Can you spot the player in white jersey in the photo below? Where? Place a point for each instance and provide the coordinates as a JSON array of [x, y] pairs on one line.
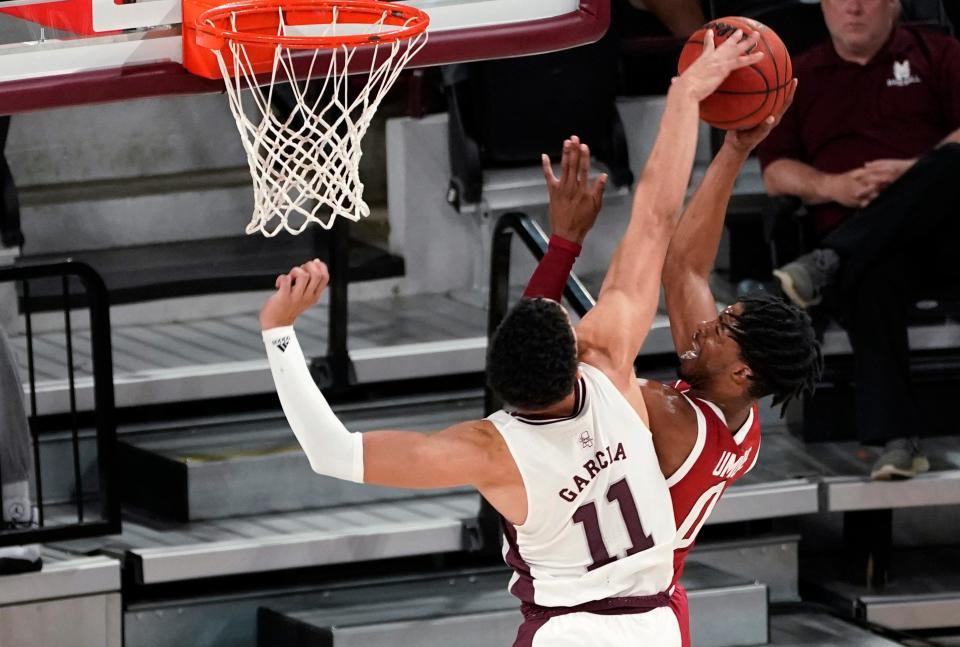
[[706, 433], [583, 493]]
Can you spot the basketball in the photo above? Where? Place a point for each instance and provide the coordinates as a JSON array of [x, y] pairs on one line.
[[750, 94]]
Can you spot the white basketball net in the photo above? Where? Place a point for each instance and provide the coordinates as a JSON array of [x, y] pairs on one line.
[[305, 165]]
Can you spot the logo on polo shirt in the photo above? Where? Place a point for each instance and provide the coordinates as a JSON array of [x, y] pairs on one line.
[[902, 76]]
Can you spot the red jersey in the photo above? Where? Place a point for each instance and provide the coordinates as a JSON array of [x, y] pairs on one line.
[[719, 457]]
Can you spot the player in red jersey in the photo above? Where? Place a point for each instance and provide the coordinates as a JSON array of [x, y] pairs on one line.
[[705, 427]]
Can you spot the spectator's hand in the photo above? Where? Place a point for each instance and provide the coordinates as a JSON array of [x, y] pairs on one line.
[[297, 290], [888, 171], [716, 63], [744, 141], [855, 189], [575, 202]]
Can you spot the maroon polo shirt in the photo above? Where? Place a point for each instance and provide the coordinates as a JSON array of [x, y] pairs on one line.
[[899, 105]]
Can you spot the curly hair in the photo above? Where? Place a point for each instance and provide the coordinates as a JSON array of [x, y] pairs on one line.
[[532, 357], [778, 343]]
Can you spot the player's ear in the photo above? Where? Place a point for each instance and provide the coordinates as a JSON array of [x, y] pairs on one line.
[[742, 374]]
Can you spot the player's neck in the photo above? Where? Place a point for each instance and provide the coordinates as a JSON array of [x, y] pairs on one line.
[[735, 409], [561, 409]]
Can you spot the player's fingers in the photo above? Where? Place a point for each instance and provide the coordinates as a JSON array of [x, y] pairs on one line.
[[731, 46], [583, 174], [749, 42], [565, 161], [299, 278], [598, 188], [791, 93], [708, 45], [315, 271], [548, 170], [748, 59], [600, 184], [323, 274], [574, 167]]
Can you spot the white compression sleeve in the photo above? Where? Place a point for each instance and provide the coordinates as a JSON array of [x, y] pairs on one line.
[[330, 447]]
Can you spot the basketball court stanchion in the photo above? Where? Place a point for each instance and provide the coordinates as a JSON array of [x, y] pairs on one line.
[[335, 370]]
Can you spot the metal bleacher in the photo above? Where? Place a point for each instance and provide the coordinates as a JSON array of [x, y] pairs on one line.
[[231, 499]]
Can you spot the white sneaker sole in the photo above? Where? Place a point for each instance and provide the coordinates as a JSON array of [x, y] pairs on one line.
[[790, 289]]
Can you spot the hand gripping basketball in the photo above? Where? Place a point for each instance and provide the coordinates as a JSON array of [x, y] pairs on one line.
[[747, 139], [715, 64], [750, 93]]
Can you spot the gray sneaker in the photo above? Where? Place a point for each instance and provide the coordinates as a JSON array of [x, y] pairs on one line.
[[803, 280], [902, 458]]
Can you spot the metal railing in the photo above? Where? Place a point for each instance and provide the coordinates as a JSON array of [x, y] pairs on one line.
[[77, 517]]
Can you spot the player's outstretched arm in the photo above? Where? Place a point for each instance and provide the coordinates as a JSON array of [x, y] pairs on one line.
[[575, 203], [611, 334], [693, 248], [470, 453]]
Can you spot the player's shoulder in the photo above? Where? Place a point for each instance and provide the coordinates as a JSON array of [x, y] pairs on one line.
[[667, 400]]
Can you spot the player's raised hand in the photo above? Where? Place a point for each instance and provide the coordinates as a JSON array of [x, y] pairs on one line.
[[746, 140], [575, 201], [297, 290], [716, 63]]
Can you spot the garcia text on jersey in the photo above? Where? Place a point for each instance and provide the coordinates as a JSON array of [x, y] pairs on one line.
[[592, 467]]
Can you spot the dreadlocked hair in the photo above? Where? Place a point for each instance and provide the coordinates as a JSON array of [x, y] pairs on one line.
[[778, 343]]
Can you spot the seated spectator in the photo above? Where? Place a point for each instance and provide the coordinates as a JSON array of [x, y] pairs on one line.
[[872, 146], [16, 465]]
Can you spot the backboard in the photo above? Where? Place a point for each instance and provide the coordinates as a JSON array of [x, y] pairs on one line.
[[68, 52]]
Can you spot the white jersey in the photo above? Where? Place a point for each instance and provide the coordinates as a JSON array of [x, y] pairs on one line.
[[600, 520]]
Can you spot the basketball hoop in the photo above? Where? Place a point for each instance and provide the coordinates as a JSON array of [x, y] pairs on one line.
[[305, 164]]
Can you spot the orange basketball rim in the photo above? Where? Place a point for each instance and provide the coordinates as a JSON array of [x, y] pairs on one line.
[[263, 25]]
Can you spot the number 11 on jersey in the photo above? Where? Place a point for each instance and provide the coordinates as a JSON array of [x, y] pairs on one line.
[[586, 515]]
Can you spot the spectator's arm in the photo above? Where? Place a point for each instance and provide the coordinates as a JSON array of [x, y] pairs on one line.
[[787, 176]]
